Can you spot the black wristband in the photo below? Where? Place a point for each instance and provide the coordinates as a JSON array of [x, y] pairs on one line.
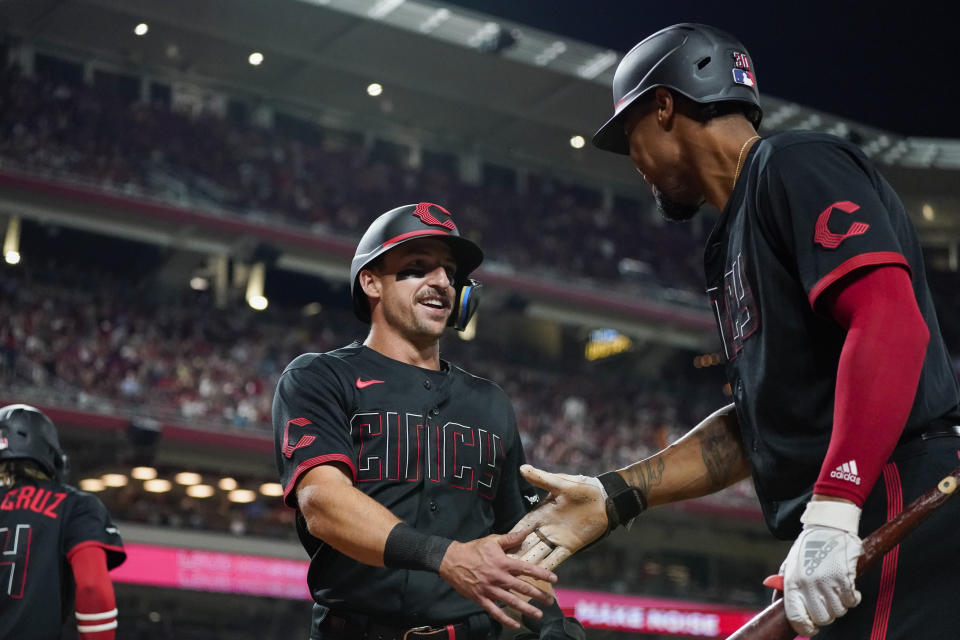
[[407, 548], [624, 503]]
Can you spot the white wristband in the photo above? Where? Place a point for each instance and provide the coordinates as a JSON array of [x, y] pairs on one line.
[[830, 513]]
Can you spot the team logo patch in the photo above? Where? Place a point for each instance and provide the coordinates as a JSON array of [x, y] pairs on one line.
[[744, 77], [830, 240], [426, 216], [741, 60]]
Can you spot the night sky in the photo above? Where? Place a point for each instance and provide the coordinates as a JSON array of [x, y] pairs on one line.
[[885, 64]]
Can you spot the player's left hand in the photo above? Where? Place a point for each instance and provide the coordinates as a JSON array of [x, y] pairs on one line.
[[820, 569], [570, 518]]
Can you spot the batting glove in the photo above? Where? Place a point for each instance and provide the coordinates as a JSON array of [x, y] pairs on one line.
[[819, 572]]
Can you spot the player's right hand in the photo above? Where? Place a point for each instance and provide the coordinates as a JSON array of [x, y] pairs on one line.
[[570, 518], [482, 571]]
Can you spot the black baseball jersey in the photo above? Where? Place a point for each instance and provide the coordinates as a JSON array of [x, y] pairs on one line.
[[440, 449], [807, 210], [42, 523]]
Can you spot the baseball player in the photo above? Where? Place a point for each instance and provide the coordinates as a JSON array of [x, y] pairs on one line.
[[845, 402], [403, 468], [58, 542]]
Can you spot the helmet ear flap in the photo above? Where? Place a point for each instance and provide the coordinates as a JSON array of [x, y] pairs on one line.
[[468, 299]]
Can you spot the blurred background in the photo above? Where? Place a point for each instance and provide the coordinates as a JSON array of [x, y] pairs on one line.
[[182, 184]]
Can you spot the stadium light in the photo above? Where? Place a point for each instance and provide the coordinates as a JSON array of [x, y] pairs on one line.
[[227, 484], [91, 484], [255, 282], [374, 89], [928, 212], [272, 489], [143, 473], [577, 142], [187, 478], [114, 480], [199, 283], [141, 29], [11, 242], [157, 485], [200, 491], [255, 58], [242, 496]]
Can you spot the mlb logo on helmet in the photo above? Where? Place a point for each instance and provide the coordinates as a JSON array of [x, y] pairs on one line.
[[740, 76], [3, 443]]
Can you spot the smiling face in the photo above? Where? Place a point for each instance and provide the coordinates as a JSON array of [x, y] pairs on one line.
[[411, 289]]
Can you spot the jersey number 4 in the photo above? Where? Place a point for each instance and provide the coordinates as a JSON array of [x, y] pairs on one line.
[[13, 562]]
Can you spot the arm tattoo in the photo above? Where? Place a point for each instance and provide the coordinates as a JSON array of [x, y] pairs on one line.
[[721, 453], [646, 474]]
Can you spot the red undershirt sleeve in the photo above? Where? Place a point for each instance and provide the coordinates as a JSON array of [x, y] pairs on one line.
[[877, 376], [95, 601]]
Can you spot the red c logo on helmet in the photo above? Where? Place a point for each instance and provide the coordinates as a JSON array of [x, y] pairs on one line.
[[830, 240], [423, 212]]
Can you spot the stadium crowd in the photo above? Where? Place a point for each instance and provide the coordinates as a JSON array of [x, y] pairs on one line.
[[327, 182]]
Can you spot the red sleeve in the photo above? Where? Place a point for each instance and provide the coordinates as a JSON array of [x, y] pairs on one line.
[[877, 376], [96, 604]]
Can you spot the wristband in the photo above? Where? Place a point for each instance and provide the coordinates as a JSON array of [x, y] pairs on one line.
[[624, 503], [830, 513], [407, 548]]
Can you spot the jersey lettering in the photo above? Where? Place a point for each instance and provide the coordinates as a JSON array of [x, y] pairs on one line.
[[734, 308], [830, 240], [370, 425], [456, 436], [36, 499], [391, 447], [490, 443], [15, 558]]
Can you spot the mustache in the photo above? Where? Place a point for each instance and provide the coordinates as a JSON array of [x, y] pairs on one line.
[[439, 296]]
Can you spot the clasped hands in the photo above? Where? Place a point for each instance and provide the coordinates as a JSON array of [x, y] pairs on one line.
[[572, 516]]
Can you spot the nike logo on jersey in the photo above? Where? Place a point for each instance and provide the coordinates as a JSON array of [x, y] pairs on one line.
[[363, 384], [847, 471]]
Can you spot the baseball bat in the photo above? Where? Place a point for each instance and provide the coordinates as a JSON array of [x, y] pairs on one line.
[[771, 623]]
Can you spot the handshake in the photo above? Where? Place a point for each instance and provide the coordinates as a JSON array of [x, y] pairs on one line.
[[578, 512]]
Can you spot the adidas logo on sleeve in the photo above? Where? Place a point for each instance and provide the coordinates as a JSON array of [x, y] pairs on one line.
[[847, 471]]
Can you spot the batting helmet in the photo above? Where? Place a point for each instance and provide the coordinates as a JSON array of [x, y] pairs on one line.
[[410, 222], [700, 62], [27, 434]]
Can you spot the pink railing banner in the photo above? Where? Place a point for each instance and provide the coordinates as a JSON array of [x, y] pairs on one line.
[[280, 578]]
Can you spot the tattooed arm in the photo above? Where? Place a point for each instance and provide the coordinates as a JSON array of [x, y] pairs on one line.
[[574, 514], [708, 458]]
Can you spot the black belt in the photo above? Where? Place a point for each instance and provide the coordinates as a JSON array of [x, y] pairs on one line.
[[916, 443], [942, 431], [350, 626]]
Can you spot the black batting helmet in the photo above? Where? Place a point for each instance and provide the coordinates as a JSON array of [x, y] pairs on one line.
[[26, 433], [700, 62], [410, 222]]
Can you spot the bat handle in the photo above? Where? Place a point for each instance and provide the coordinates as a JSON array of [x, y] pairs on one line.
[[771, 623]]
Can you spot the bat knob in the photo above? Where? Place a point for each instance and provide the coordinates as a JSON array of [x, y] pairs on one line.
[[947, 485]]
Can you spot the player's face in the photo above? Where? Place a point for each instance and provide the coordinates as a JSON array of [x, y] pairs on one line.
[[657, 157], [417, 291]]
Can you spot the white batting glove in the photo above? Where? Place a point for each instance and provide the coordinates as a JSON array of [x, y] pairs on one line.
[[819, 572]]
